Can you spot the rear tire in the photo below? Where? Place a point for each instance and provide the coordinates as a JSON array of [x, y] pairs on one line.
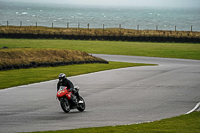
[[81, 106], [64, 103]]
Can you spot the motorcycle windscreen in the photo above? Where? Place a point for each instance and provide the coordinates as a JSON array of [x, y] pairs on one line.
[[62, 91]]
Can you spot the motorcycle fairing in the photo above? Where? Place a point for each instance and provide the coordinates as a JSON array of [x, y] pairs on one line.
[[63, 91]]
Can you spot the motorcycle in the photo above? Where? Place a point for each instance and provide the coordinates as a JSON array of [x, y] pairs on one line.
[[68, 99]]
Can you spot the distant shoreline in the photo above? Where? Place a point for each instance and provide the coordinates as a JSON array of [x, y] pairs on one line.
[[148, 18]]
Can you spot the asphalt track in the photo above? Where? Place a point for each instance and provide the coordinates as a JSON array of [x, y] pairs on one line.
[[113, 97]]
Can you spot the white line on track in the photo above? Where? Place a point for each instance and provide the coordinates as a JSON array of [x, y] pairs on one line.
[[195, 108]]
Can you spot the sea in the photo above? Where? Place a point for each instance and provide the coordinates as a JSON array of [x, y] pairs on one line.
[[72, 16]]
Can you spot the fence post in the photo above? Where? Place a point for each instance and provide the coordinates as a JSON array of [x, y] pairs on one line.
[[103, 28], [36, 24], [7, 23], [191, 28], [138, 27], [120, 26], [52, 25], [175, 28], [156, 27], [88, 26], [20, 23], [78, 25]]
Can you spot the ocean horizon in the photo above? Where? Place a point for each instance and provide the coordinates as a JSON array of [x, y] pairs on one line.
[[63, 15]]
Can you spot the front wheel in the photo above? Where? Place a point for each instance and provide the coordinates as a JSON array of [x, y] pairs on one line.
[[64, 103], [81, 105]]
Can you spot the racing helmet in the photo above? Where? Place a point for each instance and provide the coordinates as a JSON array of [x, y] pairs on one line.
[[61, 77]]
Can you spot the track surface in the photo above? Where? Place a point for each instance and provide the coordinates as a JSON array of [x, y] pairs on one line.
[[113, 97]]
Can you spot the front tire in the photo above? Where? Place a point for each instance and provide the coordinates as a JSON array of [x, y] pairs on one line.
[[64, 103], [81, 106]]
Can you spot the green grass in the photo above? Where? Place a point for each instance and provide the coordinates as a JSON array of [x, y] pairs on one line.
[[181, 124], [27, 76], [168, 50]]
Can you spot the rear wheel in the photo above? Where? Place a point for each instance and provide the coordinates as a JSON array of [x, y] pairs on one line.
[[81, 106], [64, 103]]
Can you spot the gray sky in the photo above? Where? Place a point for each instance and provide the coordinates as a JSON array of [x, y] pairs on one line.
[[146, 3]]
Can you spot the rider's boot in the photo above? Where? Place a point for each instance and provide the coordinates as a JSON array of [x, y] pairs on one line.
[[78, 98], [75, 101]]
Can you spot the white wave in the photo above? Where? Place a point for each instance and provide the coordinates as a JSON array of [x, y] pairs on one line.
[[33, 15], [24, 13], [17, 12], [41, 10]]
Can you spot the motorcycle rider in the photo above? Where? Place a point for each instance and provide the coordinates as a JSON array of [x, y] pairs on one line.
[[63, 81]]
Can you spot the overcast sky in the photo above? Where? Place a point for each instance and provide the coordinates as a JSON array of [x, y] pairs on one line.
[[146, 3]]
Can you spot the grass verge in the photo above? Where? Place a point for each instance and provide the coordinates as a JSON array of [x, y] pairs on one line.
[[181, 124], [167, 50], [27, 76]]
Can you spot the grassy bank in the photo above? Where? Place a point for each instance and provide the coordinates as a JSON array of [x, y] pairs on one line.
[[27, 76], [181, 124], [168, 50], [97, 32], [17, 56]]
